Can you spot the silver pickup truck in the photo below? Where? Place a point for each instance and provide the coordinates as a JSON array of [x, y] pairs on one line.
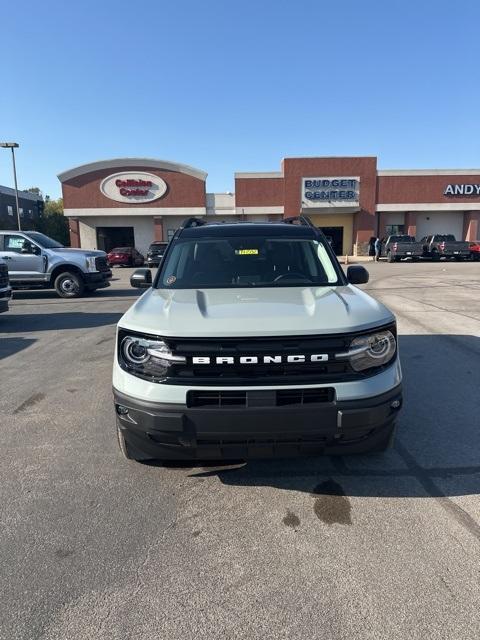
[[36, 261]]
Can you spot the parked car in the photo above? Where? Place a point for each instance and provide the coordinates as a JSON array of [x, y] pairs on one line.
[[394, 248], [155, 253], [125, 257], [444, 246], [34, 260], [252, 342], [5, 288], [475, 250]]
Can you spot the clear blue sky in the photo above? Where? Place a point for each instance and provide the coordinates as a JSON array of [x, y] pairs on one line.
[[235, 86]]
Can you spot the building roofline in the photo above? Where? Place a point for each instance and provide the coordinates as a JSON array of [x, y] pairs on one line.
[[115, 163], [26, 195], [259, 174], [327, 157], [428, 172]]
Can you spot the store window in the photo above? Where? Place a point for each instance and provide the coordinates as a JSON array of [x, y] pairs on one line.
[[394, 229], [9, 209]]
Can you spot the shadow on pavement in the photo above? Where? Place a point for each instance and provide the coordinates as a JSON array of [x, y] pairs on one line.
[[10, 346], [50, 294], [57, 321], [437, 451]]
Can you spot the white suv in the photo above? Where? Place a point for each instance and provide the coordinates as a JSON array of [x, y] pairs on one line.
[[251, 342]]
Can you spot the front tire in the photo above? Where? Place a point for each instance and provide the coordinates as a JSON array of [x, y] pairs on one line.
[[69, 285]]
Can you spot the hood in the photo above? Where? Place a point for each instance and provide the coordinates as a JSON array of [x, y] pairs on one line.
[[254, 312], [79, 252]]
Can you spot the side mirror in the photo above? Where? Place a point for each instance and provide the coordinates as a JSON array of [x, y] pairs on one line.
[[141, 279], [357, 274]]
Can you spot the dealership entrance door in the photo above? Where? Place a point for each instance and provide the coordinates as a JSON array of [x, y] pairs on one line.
[[339, 226], [335, 237], [109, 238]]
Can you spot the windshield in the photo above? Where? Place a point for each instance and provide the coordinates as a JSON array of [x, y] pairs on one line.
[[257, 261], [158, 246], [445, 238], [126, 249], [43, 240]]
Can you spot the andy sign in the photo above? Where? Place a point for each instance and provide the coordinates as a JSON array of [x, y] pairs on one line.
[[462, 190]]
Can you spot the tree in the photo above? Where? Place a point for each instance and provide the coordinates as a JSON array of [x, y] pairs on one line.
[[36, 190], [53, 223]]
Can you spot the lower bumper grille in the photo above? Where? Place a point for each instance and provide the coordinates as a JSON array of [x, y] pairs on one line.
[[274, 398]]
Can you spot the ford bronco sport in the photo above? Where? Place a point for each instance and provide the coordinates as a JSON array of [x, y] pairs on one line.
[[251, 342]]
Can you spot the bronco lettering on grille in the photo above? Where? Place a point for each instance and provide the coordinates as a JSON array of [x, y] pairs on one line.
[[293, 359]]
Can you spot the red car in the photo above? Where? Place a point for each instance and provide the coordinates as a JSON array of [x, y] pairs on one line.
[[475, 250], [125, 257]]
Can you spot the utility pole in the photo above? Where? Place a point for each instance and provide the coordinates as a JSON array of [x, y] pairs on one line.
[[13, 146]]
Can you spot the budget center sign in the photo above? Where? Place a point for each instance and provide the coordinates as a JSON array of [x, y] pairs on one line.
[[326, 192]]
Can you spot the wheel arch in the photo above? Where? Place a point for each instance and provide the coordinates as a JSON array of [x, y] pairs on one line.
[[61, 268]]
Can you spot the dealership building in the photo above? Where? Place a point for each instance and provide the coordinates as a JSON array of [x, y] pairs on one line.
[[134, 201]]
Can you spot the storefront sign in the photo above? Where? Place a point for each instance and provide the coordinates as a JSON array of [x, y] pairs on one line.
[[133, 187], [462, 190], [330, 192]]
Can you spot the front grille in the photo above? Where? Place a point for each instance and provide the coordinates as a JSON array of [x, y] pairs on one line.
[[256, 399], [101, 264], [3, 275], [260, 373]]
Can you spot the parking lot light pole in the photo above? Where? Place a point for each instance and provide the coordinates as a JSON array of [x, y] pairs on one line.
[[13, 146]]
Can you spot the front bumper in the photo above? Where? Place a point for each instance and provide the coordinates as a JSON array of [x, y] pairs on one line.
[[5, 297], [98, 279], [175, 431]]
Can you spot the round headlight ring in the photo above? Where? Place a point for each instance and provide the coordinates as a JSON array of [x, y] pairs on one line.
[[135, 350], [372, 351]]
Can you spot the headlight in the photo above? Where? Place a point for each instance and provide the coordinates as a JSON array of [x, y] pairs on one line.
[[146, 357], [374, 350], [90, 263]]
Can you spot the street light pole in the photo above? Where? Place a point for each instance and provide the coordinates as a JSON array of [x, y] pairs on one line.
[[13, 146]]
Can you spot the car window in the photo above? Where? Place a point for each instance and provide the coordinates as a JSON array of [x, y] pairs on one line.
[[257, 261], [16, 243], [43, 240]]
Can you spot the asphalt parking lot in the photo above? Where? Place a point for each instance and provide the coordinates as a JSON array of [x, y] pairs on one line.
[[96, 547]]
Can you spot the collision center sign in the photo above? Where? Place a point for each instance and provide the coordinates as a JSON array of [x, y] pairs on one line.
[[330, 192], [133, 186]]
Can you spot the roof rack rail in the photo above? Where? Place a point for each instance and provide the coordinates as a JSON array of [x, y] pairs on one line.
[[302, 220], [192, 222]]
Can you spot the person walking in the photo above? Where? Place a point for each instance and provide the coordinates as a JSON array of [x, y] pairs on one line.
[[378, 249], [371, 247]]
